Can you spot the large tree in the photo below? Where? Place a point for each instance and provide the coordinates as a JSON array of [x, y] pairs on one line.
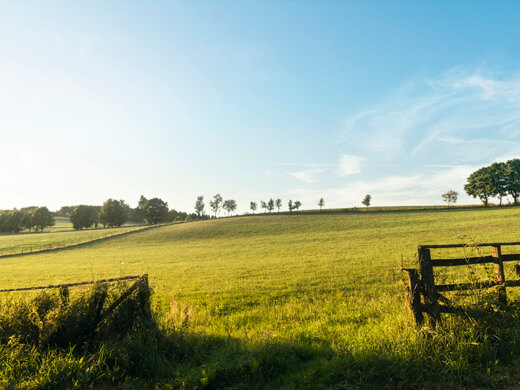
[[155, 211], [512, 174], [216, 203], [278, 204], [199, 206], [113, 213], [297, 205], [481, 184], [42, 218], [84, 217], [230, 206], [14, 221], [252, 206]]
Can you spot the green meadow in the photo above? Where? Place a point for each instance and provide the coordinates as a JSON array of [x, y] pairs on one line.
[[29, 242], [296, 301]]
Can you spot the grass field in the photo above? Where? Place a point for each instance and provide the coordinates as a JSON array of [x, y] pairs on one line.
[[299, 301], [27, 242]]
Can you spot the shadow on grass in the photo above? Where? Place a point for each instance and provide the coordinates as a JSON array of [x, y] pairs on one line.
[[46, 343]]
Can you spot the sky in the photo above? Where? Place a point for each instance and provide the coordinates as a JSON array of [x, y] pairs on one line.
[[254, 100]]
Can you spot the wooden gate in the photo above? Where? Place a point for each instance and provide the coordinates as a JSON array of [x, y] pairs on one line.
[[424, 296]]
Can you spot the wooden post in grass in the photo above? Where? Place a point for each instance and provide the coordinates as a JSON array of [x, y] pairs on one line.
[[430, 293], [499, 273], [414, 295], [144, 296], [64, 295]]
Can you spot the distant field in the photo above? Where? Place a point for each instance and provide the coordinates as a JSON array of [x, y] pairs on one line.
[[329, 283], [63, 224], [27, 242]]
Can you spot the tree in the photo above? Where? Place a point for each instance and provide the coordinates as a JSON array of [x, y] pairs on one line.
[[230, 205], [252, 206], [291, 206], [366, 200], [42, 218], [498, 177], [141, 204], [270, 205], [321, 203], [481, 184], [297, 205], [512, 175], [450, 197], [65, 211], [83, 217], [278, 204], [155, 211], [113, 213], [27, 221], [14, 221], [215, 203], [199, 206], [137, 214], [263, 205]]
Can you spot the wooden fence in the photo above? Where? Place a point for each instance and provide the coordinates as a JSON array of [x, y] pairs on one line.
[[424, 296], [141, 284]]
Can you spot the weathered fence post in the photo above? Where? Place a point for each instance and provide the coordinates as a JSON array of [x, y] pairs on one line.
[[64, 295], [499, 273], [144, 296], [430, 294], [414, 295]]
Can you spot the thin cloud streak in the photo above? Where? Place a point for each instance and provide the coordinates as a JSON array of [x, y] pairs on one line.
[[308, 175], [450, 118]]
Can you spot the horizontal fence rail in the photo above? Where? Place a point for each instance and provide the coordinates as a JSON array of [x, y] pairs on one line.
[[472, 260], [441, 246], [424, 295], [67, 285]]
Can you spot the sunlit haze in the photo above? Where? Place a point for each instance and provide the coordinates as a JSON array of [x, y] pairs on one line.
[[254, 100]]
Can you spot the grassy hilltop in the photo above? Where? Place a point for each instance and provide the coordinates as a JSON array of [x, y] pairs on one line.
[[297, 301]]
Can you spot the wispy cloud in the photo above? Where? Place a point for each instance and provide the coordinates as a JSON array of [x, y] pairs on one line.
[[349, 165], [308, 175], [462, 117]]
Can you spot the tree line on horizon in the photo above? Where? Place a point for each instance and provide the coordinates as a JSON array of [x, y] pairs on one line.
[[113, 213], [27, 218], [217, 203]]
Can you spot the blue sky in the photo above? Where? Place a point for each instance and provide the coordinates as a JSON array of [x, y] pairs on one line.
[[295, 100]]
